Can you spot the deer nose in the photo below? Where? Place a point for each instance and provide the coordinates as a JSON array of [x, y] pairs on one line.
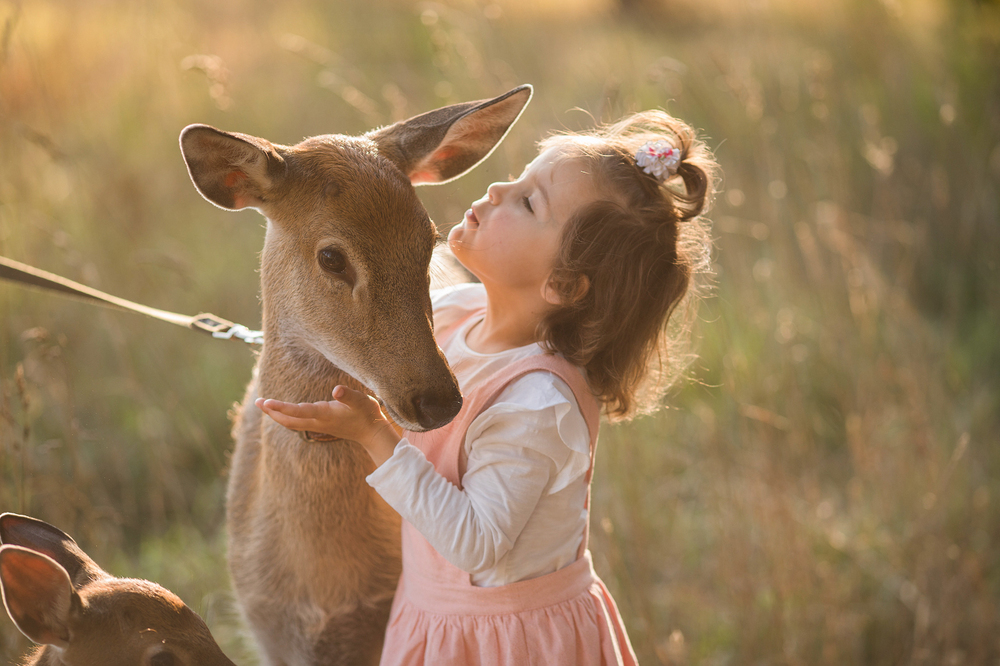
[[433, 411]]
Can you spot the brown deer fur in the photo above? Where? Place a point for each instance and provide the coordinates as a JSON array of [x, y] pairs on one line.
[[83, 616], [313, 551]]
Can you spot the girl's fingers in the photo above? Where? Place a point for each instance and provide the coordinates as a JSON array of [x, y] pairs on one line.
[[361, 403], [303, 410], [301, 416], [341, 394], [357, 400], [348, 410], [349, 396], [293, 423]]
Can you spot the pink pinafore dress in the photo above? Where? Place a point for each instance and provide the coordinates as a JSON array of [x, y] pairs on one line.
[[440, 618]]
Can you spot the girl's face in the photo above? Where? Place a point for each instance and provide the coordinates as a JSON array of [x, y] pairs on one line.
[[510, 237]]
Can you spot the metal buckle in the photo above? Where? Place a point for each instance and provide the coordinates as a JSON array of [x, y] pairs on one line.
[[211, 324], [241, 332], [225, 330]]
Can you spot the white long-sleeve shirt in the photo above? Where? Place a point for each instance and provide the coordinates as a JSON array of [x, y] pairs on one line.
[[520, 513]]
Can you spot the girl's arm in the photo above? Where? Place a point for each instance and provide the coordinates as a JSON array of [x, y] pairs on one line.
[[475, 526], [532, 441]]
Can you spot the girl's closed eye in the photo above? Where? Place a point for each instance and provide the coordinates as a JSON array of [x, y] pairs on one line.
[[527, 204]]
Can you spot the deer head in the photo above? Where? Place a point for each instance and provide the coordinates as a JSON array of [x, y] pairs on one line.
[[82, 616], [344, 270]]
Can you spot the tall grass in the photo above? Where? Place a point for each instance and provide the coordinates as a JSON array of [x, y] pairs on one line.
[[825, 488]]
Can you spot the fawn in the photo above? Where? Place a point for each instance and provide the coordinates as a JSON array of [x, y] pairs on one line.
[[313, 550], [83, 616]]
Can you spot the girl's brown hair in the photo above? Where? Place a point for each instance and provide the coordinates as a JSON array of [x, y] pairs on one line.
[[628, 260]]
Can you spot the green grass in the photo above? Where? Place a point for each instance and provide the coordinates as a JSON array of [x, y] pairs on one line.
[[824, 490]]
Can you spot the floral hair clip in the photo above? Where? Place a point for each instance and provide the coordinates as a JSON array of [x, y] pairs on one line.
[[658, 158]]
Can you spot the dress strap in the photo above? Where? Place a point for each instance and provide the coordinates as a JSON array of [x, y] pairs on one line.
[[486, 394]]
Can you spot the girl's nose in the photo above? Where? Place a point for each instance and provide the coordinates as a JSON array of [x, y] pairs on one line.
[[495, 192]]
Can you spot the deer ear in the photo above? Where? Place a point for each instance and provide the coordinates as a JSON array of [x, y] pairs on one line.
[[441, 145], [38, 595], [41, 537], [233, 171]]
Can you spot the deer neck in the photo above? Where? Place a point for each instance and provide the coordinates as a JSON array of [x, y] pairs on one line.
[[295, 372]]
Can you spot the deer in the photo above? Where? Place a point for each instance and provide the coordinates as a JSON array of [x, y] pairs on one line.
[[81, 615], [313, 551]]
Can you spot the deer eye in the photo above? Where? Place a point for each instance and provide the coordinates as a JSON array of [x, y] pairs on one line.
[[333, 260]]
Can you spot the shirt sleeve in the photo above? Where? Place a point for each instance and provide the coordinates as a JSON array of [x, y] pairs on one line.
[[515, 452]]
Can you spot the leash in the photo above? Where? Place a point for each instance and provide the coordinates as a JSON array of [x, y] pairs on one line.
[[208, 323]]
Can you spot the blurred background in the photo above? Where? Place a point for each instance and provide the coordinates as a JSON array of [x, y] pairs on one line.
[[825, 489]]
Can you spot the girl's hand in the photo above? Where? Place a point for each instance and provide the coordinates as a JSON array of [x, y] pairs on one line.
[[351, 415]]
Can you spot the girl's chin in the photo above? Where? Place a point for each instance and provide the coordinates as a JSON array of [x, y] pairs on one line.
[[460, 249], [455, 243], [460, 231]]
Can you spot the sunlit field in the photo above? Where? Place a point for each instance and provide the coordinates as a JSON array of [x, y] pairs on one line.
[[825, 486]]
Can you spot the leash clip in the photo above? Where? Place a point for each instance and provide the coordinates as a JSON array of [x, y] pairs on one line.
[[222, 329], [241, 332]]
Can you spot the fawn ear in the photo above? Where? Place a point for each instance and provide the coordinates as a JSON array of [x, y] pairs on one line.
[[231, 170], [38, 595], [441, 145], [39, 536]]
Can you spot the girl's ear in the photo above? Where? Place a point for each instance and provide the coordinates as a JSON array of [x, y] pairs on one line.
[[553, 296]]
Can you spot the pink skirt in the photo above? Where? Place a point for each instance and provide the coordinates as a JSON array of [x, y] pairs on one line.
[[566, 617]]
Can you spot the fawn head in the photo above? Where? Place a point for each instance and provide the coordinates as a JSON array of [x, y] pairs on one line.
[[344, 270], [82, 616]]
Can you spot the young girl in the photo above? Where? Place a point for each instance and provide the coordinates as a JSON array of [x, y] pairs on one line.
[[581, 260]]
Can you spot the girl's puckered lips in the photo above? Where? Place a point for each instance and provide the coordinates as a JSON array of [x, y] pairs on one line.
[[471, 221]]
